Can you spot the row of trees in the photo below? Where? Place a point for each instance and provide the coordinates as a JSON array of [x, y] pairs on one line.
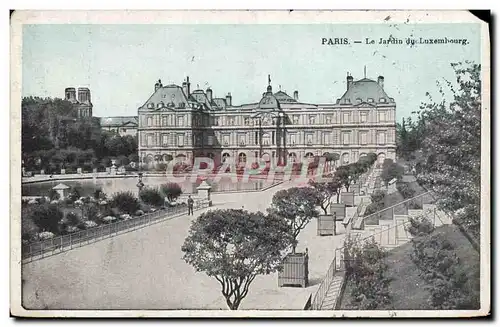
[[444, 145], [235, 246], [54, 138]]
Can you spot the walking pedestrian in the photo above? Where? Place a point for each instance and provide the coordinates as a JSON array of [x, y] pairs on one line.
[[190, 205]]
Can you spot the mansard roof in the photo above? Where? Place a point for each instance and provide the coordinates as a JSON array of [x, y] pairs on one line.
[[364, 90]]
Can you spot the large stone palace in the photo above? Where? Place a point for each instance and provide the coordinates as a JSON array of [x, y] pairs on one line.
[[177, 122]]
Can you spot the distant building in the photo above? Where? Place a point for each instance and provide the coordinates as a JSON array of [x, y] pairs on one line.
[[122, 125], [82, 105], [175, 122]]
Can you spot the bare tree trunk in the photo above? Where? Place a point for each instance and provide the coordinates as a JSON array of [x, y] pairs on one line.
[[334, 223]]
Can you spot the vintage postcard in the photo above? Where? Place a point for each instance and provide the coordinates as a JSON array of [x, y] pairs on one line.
[[250, 164]]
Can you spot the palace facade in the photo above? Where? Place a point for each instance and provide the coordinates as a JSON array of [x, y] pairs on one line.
[[177, 122]]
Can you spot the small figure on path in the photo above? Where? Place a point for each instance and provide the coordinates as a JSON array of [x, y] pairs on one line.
[[190, 205]]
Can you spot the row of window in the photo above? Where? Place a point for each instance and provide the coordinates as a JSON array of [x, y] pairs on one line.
[[266, 139], [312, 119]]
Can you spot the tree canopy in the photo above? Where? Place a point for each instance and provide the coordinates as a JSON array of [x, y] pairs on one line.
[[234, 247], [298, 206]]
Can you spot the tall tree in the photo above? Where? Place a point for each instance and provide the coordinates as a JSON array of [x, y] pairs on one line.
[[234, 247], [451, 146], [298, 206]]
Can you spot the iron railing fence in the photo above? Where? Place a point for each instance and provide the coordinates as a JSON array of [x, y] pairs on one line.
[[44, 248]]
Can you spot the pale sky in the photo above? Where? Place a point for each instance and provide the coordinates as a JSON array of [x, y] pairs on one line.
[[121, 63]]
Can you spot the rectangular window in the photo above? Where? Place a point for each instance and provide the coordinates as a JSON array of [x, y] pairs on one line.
[[210, 140], [381, 137], [164, 139], [180, 121], [346, 136], [143, 139], [150, 121], [335, 138], [328, 119], [180, 140], [226, 139], [326, 138], [312, 119], [273, 138], [346, 118], [363, 136], [295, 119], [293, 139], [150, 140], [256, 138], [309, 139], [241, 139], [363, 117], [381, 116]]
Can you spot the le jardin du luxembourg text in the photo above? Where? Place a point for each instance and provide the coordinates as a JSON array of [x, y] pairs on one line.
[[393, 41]]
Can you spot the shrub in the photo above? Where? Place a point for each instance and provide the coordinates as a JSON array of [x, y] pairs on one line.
[[378, 196], [366, 270], [139, 213], [171, 190], [45, 235], [29, 229], [46, 217], [125, 202], [405, 190], [419, 226], [413, 204], [72, 219], [151, 196], [145, 208], [108, 219], [447, 281]]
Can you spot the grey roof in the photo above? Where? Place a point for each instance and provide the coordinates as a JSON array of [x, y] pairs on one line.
[[283, 97], [170, 96], [119, 121], [364, 90]]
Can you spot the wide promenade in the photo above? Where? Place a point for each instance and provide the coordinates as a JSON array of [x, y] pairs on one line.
[[144, 269]]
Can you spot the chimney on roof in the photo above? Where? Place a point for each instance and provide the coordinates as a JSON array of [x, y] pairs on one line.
[[209, 95], [186, 87], [229, 100], [349, 80], [296, 95], [381, 81]]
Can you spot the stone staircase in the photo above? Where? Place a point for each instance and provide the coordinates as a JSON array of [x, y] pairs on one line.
[[388, 233]]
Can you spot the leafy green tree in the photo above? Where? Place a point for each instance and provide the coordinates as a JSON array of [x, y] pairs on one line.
[[325, 191], [391, 170], [451, 147], [298, 206], [234, 247]]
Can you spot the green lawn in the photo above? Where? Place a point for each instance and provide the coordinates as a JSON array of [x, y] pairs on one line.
[[407, 289]]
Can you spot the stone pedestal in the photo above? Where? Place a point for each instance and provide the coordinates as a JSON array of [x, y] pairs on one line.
[[63, 171], [94, 171], [42, 172], [204, 191], [78, 170]]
